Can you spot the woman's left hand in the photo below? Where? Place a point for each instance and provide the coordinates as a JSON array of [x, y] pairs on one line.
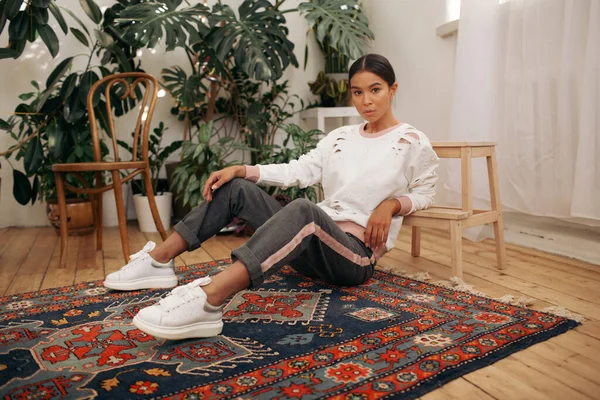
[[378, 226]]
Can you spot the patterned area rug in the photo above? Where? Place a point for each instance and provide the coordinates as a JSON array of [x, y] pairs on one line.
[[295, 338]]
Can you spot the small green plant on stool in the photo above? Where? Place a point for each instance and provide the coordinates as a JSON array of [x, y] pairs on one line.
[[332, 93]]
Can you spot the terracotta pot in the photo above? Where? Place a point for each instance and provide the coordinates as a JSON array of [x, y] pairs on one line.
[[80, 216]]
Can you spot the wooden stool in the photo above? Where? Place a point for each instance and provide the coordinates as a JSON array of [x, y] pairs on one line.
[[456, 219]]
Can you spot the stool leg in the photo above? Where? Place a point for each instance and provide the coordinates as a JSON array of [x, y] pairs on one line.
[[496, 206], [456, 248], [415, 244], [500, 248]]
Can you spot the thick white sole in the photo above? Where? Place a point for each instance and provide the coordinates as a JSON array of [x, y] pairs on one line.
[[157, 282], [198, 330]]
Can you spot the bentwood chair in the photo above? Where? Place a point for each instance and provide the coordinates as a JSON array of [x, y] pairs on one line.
[[118, 87]]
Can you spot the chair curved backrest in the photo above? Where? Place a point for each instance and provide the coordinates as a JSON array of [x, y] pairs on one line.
[[119, 87]]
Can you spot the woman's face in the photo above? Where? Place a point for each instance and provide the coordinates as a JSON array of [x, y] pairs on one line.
[[371, 95]]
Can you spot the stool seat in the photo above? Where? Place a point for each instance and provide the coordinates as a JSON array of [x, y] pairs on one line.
[[440, 213]]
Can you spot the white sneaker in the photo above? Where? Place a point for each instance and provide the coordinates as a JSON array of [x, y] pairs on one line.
[[183, 314], [143, 272]]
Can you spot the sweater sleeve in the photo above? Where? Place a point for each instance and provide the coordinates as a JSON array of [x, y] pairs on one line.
[[422, 179], [305, 171]]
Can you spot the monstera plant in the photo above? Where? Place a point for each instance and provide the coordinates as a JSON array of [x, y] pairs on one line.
[[255, 40], [341, 30]]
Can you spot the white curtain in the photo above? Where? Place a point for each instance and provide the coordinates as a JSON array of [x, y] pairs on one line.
[[527, 75]]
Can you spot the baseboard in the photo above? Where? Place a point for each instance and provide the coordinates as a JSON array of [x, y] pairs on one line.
[[552, 235]]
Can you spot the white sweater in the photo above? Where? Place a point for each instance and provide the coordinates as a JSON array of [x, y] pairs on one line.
[[358, 171]]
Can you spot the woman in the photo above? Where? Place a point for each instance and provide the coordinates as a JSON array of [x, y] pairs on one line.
[[372, 175]]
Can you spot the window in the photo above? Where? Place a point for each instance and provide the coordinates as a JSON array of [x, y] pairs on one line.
[[452, 10]]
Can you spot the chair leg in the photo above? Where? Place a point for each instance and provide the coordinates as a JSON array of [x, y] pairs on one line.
[[121, 214], [99, 226], [62, 209], [415, 244], [456, 248], [153, 208]]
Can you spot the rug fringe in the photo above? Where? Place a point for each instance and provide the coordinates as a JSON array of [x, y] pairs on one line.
[[513, 300], [564, 313], [419, 276], [456, 283]]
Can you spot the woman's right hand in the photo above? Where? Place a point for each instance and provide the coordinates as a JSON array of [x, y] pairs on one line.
[[221, 177]]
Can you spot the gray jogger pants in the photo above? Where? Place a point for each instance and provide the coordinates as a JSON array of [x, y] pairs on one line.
[[301, 235]]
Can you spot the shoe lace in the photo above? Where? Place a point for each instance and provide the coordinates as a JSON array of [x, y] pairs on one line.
[[184, 294], [138, 256]]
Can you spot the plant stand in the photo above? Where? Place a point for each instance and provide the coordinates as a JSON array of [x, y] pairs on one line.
[[322, 113]]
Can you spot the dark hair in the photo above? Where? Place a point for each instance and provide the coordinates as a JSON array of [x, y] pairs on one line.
[[375, 63]]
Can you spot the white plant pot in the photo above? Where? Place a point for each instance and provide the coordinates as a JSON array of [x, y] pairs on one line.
[[109, 206], [144, 216]]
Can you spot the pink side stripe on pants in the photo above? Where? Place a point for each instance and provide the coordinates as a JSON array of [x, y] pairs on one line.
[[326, 238]]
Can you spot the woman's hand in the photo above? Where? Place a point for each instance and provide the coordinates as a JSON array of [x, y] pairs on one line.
[[221, 177], [378, 226]]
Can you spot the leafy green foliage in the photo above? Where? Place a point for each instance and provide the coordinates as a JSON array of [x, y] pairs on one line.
[[27, 24], [202, 155], [92, 10], [148, 22], [333, 93], [189, 92], [303, 142], [260, 111], [51, 123], [58, 141], [339, 24], [258, 39]]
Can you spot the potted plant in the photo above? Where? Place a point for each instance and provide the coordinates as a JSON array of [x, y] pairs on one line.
[[303, 142], [338, 43], [157, 155], [202, 154], [51, 124], [60, 138], [331, 93]]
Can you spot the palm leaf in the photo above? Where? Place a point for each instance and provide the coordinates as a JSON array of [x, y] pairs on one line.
[[188, 91], [258, 39], [147, 21], [339, 24]]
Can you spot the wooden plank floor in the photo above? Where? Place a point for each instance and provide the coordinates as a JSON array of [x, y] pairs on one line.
[[565, 367]]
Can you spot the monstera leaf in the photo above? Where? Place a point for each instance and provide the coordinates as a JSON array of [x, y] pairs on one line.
[[188, 91], [339, 24], [146, 22], [258, 39]]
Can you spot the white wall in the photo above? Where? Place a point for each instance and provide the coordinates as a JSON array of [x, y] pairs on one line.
[[423, 62], [36, 64]]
